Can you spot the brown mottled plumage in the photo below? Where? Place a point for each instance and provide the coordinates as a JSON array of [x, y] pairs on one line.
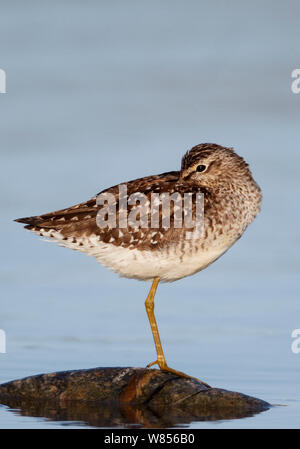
[[231, 201], [228, 189]]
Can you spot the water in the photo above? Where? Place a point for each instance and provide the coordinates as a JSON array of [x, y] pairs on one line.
[[101, 92]]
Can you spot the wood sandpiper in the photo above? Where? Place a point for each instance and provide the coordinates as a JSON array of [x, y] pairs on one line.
[[231, 200]]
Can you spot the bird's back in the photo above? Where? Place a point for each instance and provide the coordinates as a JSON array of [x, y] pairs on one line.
[[134, 247]]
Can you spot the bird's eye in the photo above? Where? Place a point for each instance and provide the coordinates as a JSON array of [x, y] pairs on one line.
[[201, 168]]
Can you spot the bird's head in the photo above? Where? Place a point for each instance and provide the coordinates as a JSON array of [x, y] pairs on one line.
[[209, 165]]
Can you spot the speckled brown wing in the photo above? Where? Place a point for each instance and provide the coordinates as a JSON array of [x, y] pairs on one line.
[[81, 218], [79, 221], [148, 237]]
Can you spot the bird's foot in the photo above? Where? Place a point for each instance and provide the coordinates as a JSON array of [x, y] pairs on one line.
[[151, 364], [165, 367]]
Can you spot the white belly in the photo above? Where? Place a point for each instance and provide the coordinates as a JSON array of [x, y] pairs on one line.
[[169, 265], [145, 265]]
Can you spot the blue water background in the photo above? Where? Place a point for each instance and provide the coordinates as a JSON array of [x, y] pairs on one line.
[[103, 92]]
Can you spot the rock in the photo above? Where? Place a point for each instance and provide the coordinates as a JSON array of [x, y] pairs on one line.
[[116, 396]]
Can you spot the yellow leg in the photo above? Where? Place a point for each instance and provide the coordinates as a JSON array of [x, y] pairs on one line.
[[161, 360]]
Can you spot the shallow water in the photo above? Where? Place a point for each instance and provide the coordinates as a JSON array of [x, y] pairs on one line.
[[99, 93]]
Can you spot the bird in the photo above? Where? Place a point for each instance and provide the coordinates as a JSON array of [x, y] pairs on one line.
[[126, 229]]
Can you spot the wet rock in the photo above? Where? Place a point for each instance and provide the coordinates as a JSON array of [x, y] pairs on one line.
[[115, 396]]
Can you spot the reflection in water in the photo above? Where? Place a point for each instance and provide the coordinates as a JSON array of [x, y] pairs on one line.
[[123, 415]]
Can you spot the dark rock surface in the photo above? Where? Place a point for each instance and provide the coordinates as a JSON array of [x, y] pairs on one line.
[[107, 397]]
